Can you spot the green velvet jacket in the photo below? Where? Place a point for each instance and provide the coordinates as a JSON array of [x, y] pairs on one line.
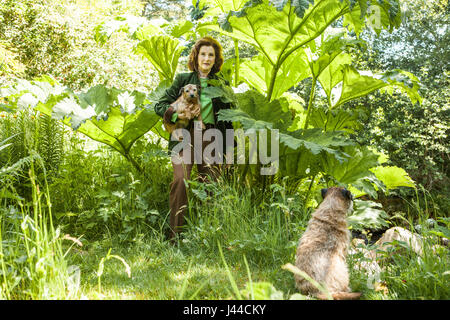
[[172, 94]]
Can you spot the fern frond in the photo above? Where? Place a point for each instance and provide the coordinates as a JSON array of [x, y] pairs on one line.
[[51, 142]]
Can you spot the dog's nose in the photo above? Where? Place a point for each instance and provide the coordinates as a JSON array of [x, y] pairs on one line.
[[192, 95]]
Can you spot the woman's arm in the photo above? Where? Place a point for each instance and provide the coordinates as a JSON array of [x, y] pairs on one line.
[[162, 107]]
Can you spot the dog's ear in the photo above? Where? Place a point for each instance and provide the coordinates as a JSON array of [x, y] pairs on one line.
[[181, 91], [323, 192], [347, 194]]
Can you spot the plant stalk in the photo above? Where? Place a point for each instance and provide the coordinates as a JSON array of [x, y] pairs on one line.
[[309, 189], [272, 82], [311, 99], [237, 63], [134, 162]]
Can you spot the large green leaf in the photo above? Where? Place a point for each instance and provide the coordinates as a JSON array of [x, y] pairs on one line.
[[278, 30], [384, 178], [24, 93], [163, 52], [332, 56], [108, 115], [301, 64], [159, 44], [332, 74], [355, 85], [123, 23], [299, 150], [258, 73], [317, 141], [140, 28], [367, 215], [335, 44], [393, 177], [375, 14], [356, 167], [335, 120], [259, 108]]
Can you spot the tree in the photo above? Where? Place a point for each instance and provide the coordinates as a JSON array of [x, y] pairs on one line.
[[414, 137]]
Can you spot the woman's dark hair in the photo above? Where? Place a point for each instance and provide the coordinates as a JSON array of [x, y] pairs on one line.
[[210, 42]]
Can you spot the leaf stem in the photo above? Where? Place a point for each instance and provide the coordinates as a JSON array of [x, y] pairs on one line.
[[237, 64], [133, 162], [309, 189], [311, 98]]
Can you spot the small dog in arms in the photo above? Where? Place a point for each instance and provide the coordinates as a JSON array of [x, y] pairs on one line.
[[322, 249], [187, 106]]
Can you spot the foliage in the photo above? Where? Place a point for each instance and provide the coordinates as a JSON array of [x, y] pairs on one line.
[[9, 64], [166, 9], [283, 31], [296, 41], [108, 115], [415, 137], [166, 64], [95, 194], [98, 111], [367, 215], [260, 232], [46, 37], [40, 44], [393, 177], [32, 261], [30, 133]]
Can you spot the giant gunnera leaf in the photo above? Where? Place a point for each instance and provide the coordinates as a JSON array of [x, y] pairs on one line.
[[367, 215], [163, 52], [393, 177], [300, 150], [108, 115], [355, 84], [282, 30]]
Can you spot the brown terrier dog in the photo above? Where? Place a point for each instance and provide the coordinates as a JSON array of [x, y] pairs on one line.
[[323, 247], [187, 106]]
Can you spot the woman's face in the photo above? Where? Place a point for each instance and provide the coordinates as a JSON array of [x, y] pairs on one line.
[[206, 59]]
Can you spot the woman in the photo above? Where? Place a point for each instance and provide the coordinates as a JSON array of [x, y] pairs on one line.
[[205, 60]]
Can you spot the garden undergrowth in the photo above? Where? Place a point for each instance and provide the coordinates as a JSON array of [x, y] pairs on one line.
[[235, 242]]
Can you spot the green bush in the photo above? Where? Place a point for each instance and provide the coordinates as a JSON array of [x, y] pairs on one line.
[[41, 43], [55, 39], [99, 194]]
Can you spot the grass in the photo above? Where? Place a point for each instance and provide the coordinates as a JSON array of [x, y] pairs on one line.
[[163, 271], [234, 245], [32, 260], [195, 268]]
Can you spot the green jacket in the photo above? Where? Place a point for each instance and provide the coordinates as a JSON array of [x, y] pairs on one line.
[[173, 93]]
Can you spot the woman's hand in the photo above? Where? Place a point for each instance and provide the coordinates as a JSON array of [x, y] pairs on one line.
[[182, 115]]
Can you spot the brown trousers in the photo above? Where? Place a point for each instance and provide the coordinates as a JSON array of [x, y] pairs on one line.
[[178, 199]]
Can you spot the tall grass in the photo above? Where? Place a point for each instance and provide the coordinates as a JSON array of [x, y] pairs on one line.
[[32, 259], [427, 275], [261, 227]]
